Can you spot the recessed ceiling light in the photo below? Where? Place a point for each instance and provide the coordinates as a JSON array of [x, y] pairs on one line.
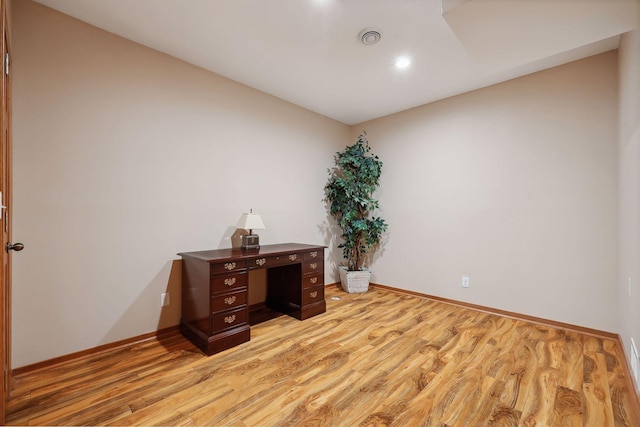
[[323, 3], [403, 62]]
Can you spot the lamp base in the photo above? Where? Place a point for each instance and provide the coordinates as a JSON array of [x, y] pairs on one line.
[[250, 241]]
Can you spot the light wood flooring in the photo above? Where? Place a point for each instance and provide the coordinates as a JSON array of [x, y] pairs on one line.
[[379, 358]]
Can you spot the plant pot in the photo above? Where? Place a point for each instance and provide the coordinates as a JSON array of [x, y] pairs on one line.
[[354, 281]]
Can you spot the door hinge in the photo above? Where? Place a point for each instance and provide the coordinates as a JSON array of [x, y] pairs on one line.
[[6, 63], [2, 206]]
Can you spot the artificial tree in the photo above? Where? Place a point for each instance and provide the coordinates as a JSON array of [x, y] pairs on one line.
[[352, 183]]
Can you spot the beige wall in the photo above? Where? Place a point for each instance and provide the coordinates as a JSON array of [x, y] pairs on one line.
[[123, 157], [629, 159], [514, 186]]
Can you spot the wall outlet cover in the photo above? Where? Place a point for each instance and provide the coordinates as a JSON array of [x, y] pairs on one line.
[[165, 299]]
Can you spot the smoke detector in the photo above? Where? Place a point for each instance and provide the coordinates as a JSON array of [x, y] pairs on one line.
[[369, 36]]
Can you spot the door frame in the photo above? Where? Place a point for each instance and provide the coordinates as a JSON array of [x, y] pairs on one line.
[[5, 224]]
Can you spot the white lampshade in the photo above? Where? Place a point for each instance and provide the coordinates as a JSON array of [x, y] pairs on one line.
[[250, 221]]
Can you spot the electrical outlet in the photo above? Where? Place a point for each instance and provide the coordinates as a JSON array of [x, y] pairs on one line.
[[165, 299], [465, 282]]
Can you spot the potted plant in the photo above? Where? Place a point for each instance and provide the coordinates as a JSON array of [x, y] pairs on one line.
[[350, 189]]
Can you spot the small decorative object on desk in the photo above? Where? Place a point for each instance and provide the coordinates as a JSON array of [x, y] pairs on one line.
[[250, 221], [350, 189]]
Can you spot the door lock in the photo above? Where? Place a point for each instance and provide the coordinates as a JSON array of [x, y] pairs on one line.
[[14, 247]]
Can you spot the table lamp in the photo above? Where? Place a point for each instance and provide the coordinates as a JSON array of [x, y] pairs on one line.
[[250, 221]]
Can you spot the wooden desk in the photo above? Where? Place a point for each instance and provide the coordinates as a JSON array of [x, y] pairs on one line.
[[215, 310]]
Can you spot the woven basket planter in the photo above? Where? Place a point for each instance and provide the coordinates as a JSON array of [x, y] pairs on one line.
[[355, 281]]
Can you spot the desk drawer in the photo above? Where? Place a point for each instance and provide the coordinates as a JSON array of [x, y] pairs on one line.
[[228, 283], [228, 267], [273, 261], [309, 296], [313, 255], [313, 266], [313, 280], [228, 301], [228, 319]]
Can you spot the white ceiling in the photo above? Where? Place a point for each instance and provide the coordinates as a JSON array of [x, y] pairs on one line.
[[308, 52]]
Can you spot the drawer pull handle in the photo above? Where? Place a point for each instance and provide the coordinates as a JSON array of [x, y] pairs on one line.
[[293, 257], [230, 300], [230, 281], [313, 265], [314, 280], [314, 294], [313, 254], [261, 262], [229, 266], [230, 319]]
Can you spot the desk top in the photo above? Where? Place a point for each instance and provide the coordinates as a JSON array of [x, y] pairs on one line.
[[218, 255]]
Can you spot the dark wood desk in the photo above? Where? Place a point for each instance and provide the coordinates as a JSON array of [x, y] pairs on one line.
[[215, 310]]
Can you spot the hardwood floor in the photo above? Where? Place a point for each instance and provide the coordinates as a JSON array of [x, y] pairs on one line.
[[379, 358]]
